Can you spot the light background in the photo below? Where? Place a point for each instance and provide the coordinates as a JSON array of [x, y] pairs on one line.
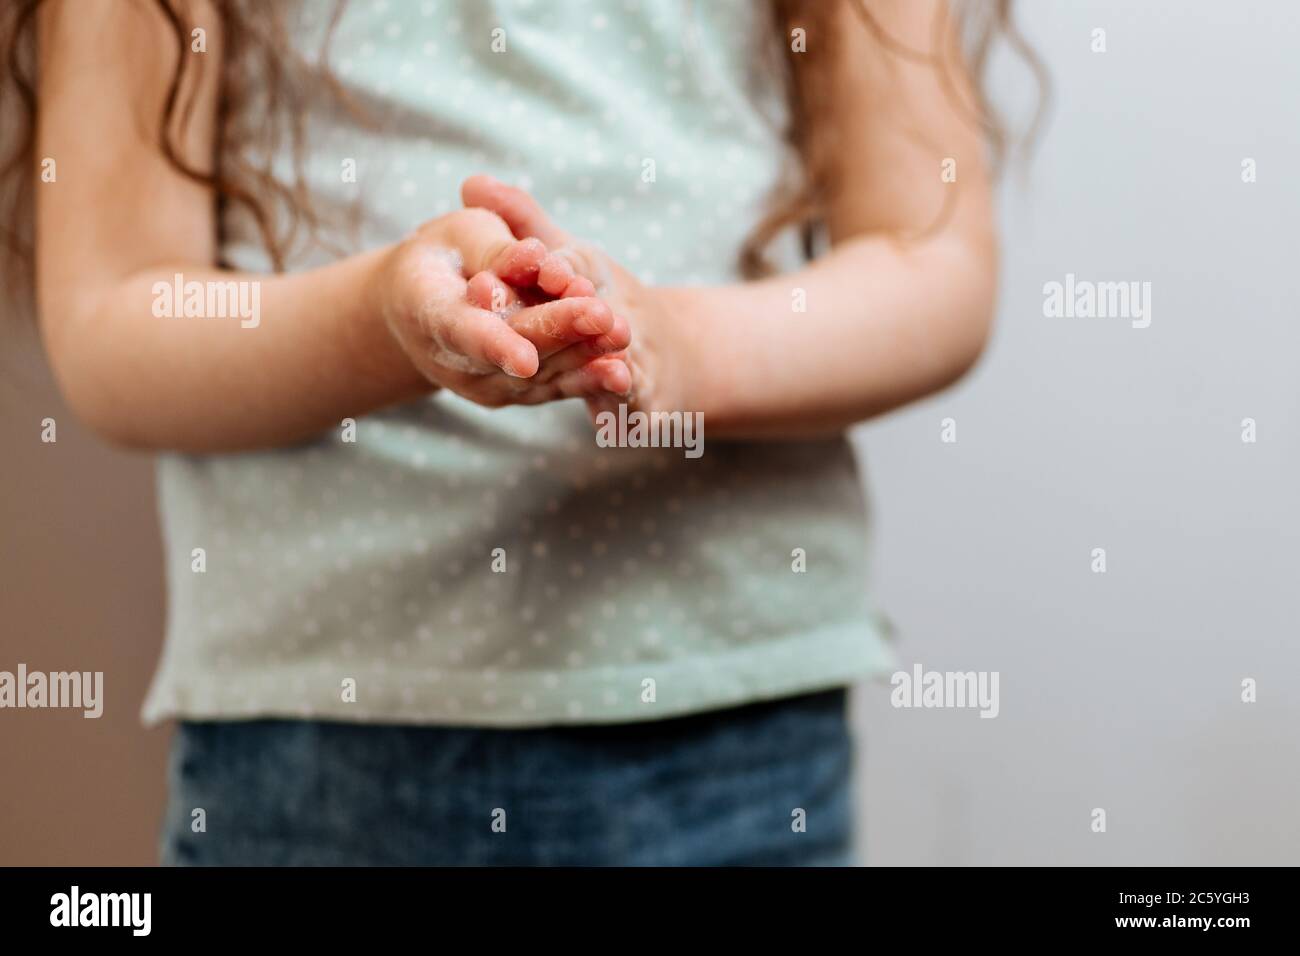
[[1119, 691]]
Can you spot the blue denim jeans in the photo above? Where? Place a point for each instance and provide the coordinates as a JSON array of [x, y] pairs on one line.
[[763, 784]]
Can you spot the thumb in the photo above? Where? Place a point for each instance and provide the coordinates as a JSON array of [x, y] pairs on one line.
[[521, 212]]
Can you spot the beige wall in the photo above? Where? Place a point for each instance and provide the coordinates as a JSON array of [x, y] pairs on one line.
[[80, 589]]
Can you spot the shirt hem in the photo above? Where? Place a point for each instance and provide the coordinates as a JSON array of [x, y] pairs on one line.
[[485, 698]]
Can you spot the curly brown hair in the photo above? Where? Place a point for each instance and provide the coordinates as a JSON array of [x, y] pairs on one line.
[[259, 55]]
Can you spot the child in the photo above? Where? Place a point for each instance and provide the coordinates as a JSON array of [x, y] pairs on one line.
[[417, 614]]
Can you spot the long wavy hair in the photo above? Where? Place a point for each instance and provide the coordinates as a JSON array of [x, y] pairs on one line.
[[260, 56]]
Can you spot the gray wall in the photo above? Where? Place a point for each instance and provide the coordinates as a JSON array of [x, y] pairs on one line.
[[1118, 690]]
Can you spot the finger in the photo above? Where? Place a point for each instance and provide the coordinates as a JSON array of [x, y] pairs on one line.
[[521, 212], [580, 287], [551, 326], [618, 337], [485, 243], [575, 356], [582, 352], [524, 217], [486, 291], [556, 275], [518, 263], [602, 376], [480, 337]]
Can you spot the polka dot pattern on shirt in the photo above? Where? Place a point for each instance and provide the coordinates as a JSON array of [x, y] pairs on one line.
[[454, 564]]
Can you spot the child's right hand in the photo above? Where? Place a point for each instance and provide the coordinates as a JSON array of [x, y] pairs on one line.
[[489, 357]]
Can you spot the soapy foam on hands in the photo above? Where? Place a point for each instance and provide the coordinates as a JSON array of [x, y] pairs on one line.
[[455, 261], [447, 356]]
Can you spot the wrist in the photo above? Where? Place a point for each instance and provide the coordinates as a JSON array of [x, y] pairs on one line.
[[701, 374]]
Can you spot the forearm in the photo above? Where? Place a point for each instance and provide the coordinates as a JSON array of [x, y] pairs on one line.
[[885, 324], [319, 352]]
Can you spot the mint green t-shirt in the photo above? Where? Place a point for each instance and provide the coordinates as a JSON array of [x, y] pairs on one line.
[[444, 563]]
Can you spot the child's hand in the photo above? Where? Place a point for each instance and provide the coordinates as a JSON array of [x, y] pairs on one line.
[[568, 368], [489, 357], [638, 373]]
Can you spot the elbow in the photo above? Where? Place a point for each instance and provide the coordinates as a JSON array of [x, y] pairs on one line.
[[971, 310], [977, 330], [81, 371], [107, 420], [113, 430]]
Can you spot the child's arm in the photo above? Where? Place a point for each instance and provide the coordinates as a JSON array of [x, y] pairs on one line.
[[886, 322], [884, 326], [339, 341]]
